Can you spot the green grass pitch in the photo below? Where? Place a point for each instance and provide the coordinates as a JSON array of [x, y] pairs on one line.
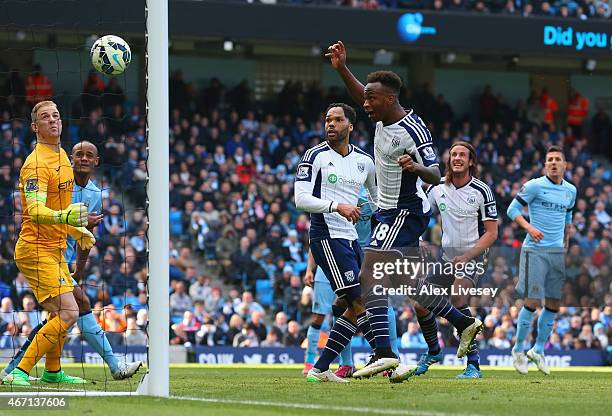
[[282, 390]]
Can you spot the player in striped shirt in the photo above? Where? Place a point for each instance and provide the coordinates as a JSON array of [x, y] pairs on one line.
[[469, 227], [324, 297], [328, 181], [405, 158]]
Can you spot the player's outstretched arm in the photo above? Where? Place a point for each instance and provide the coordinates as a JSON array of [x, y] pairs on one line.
[[74, 215], [337, 55], [33, 184]]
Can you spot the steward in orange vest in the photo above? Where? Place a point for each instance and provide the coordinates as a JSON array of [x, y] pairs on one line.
[[577, 111]]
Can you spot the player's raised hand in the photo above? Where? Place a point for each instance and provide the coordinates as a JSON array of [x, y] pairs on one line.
[[75, 215], [93, 219], [337, 55], [350, 212], [407, 163], [536, 234]]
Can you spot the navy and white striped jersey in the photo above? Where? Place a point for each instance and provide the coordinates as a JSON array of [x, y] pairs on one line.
[[396, 188], [324, 179], [463, 212]]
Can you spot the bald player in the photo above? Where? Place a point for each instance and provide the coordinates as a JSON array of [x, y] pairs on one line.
[[84, 161], [46, 181]]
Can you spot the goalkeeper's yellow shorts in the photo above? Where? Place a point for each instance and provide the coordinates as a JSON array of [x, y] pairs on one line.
[[45, 269]]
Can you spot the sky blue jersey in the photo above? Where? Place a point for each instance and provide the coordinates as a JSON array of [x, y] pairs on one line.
[[91, 196], [550, 209]]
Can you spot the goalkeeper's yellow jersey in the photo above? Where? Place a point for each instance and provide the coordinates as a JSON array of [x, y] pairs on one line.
[[48, 176]]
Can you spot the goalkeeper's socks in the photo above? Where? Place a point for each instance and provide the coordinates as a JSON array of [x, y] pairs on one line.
[[429, 328], [393, 331], [546, 321], [523, 327], [339, 337], [13, 364], [96, 338], [314, 330], [49, 335], [53, 356]]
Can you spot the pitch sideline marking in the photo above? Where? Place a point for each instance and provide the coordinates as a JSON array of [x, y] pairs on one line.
[[311, 406]]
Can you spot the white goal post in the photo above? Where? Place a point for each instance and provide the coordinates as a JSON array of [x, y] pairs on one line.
[[156, 381]]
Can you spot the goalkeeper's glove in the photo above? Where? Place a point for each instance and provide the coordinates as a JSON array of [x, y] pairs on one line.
[[74, 215], [84, 238]]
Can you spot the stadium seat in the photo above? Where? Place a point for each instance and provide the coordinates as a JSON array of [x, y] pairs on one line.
[[5, 290], [176, 226], [298, 268], [73, 132], [264, 291], [118, 301]]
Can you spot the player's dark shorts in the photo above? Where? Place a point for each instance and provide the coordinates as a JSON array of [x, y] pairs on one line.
[[340, 260], [396, 229]]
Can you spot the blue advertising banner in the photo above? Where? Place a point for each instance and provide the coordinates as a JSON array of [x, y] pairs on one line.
[[230, 355]]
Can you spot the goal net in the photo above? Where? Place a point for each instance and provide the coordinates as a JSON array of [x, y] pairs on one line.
[[45, 56]]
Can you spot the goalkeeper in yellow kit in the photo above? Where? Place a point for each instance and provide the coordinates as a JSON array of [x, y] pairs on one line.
[[45, 183]]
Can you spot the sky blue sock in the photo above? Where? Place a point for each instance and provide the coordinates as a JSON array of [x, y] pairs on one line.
[[523, 327], [546, 321], [313, 339], [346, 356], [393, 331], [96, 338]]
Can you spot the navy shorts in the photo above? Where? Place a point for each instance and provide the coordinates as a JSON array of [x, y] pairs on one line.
[[394, 229], [340, 260]]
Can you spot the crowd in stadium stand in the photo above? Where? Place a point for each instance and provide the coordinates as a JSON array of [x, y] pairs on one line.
[[239, 245], [581, 9]]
